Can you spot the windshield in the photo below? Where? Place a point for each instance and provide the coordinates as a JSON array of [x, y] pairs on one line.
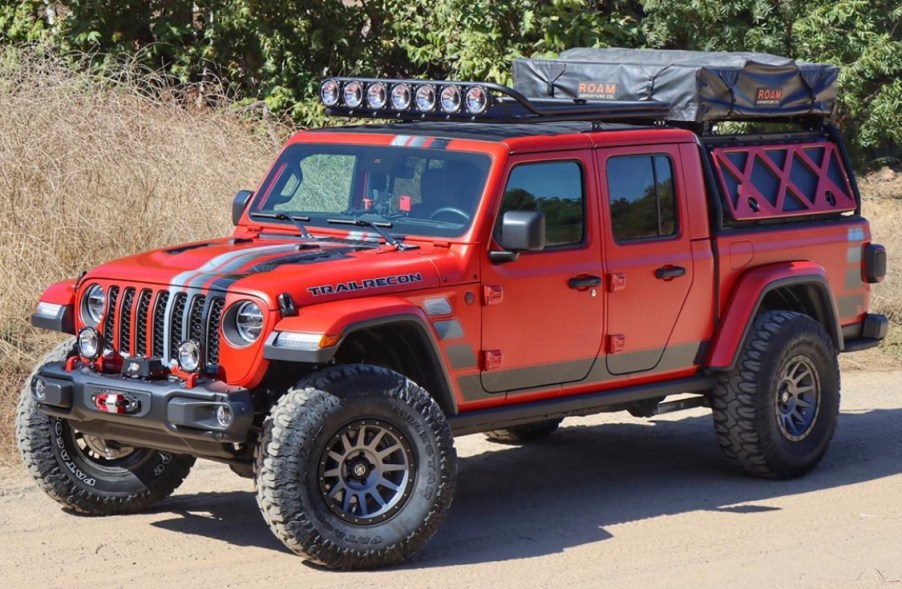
[[411, 191]]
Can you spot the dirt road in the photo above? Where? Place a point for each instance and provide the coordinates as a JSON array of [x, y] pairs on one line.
[[609, 500]]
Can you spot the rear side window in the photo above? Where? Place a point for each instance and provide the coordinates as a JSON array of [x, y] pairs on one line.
[[642, 197], [554, 188]]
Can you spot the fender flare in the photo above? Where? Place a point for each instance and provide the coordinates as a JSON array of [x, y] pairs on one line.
[[341, 319], [747, 296]]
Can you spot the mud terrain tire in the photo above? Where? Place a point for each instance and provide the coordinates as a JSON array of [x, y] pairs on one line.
[[60, 460], [776, 411], [326, 446]]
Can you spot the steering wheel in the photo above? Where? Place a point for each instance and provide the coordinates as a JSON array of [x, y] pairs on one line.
[[453, 210]]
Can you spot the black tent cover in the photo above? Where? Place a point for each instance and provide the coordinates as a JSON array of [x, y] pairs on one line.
[[699, 85]]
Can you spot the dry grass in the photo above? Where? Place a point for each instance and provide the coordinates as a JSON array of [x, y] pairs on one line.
[[97, 166], [94, 167], [882, 205]]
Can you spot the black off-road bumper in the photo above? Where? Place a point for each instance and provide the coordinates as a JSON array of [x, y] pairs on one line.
[[151, 413]]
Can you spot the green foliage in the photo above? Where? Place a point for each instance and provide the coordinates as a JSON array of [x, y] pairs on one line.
[[277, 51]]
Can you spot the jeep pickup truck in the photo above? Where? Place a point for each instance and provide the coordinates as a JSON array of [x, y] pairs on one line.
[[491, 259]]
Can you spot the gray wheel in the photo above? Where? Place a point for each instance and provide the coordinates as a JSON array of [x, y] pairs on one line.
[[776, 412], [86, 473], [523, 434], [355, 468]]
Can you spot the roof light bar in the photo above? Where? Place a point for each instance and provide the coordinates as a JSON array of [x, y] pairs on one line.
[[469, 101]]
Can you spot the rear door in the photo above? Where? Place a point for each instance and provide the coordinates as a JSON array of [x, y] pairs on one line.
[[648, 254]]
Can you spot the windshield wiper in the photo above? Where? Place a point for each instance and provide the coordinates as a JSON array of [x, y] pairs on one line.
[[295, 220], [377, 226]]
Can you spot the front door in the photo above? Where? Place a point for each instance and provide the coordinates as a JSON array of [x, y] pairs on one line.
[[542, 319], [648, 256]]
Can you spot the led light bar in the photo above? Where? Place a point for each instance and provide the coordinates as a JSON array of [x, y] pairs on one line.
[[437, 100]]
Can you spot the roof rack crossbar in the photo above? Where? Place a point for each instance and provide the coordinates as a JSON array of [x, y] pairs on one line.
[[504, 104]]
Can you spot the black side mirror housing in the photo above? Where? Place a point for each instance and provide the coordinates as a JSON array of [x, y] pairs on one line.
[[521, 231], [239, 204]]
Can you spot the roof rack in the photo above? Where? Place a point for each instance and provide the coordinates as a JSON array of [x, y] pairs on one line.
[[477, 102]]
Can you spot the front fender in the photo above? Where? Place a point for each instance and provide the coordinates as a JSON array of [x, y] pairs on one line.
[[57, 313], [328, 324], [748, 293]]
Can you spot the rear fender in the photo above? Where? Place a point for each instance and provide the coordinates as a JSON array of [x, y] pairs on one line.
[[748, 294]]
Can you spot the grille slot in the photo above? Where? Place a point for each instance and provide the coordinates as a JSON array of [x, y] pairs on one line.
[[196, 318], [142, 328], [159, 324], [216, 307], [176, 322], [108, 319], [125, 322]]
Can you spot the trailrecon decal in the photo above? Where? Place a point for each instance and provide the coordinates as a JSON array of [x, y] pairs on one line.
[[369, 283]]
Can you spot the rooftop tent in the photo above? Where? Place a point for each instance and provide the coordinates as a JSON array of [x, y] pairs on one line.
[[700, 86]]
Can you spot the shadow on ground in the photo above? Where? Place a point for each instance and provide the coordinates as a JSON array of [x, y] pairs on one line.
[[520, 502]]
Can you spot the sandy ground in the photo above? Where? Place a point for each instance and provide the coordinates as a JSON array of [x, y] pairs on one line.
[[608, 501]]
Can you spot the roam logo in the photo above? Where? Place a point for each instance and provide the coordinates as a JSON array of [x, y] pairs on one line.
[[768, 96], [598, 90]]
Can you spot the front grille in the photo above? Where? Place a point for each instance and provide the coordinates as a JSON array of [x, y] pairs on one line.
[[161, 320]]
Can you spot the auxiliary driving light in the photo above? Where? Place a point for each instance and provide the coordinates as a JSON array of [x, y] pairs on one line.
[[425, 98], [451, 99], [376, 96], [400, 97], [189, 355], [224, 416], [477, 100], [89, 343], [353, 94], [330, 92]]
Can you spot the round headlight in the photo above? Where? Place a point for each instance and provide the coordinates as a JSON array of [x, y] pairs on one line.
[[451, 99], [477, 100], [330, 92], [89, 343], [425, 98], [376, 96], [92, 305], [189, 355], [400, 97], [249, 321], [353, 94]]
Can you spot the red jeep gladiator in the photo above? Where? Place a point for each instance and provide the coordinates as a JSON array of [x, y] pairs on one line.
[[493, 260]]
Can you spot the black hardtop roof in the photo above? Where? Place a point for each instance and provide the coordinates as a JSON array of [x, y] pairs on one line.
[[480, 131]]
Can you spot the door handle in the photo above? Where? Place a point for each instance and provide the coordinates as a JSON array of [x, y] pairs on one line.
[[584, 281], [669, 272]]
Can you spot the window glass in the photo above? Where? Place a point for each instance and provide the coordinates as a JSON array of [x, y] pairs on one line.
[[642, 197], [554, 188], [409, 190]]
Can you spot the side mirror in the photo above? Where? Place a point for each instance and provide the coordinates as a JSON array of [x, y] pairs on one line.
[[521, 231], [239, 204]]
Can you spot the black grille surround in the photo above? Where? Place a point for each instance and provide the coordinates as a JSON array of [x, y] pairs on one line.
[[143, 319]]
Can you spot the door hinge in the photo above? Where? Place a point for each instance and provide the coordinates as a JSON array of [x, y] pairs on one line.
[[491, 359], [616, 281], [492, 295], [616, 343]]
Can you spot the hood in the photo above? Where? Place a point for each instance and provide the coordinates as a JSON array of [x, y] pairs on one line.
[[310, 271]]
